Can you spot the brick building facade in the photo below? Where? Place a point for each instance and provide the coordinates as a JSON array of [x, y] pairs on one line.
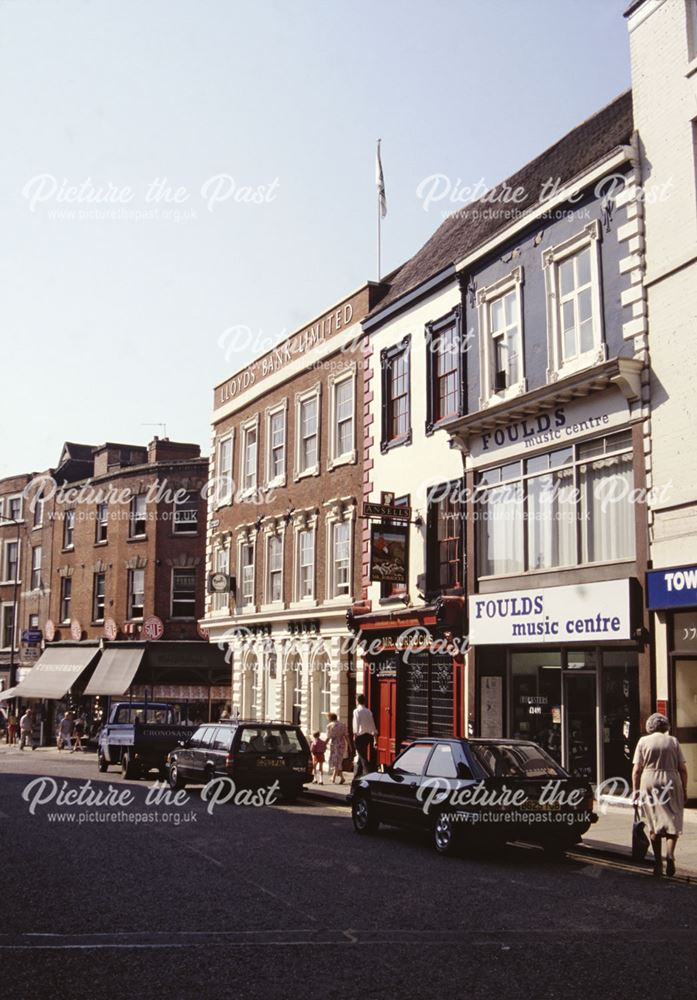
[[284, 523]]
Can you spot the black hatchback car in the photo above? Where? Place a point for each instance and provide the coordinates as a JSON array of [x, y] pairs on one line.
[[253, 754], [487, 791]]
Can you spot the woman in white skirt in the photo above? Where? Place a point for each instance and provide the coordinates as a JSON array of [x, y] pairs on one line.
[[659, 782]]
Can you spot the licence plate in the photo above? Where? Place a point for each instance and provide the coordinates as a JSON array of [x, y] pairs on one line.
[[270, 762]]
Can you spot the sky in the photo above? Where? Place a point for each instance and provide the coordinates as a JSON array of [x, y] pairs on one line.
[[185, 182]]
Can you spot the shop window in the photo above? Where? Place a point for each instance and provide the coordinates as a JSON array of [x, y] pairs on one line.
[[536, 700], [561, 508]]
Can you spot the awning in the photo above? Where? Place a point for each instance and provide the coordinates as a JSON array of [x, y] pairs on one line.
[[9, 693], [115, 671], [55, 672]]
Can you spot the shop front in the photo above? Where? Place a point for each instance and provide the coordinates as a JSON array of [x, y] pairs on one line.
[[413, 677], [672, 598], [561, 666]]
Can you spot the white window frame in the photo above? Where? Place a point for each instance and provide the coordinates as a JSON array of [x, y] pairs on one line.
[[339, 511], [337, 379], [6, 577], [36, 569], [95, 617], [224, 495], [39, 511], [304, 520], [273, 530], [8, 502], [135, 504], [65, 619], [182, 618], [488, 395], [303, 397], [191, 495], [101, 522], [131, 591], [4, 607], [273, 411], [68, 516], [589, 237], [246, 536], [245, 490], [220, 602]]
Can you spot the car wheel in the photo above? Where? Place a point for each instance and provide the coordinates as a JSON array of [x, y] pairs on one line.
[[175, 779], [444, 834], [363, 815], [102, 763], [128, 767]]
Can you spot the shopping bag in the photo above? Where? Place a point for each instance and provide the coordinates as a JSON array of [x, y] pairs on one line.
[[640, 842]]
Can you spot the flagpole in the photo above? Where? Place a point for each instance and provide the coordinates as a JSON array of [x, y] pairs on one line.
[[381, 202], [379, 211]]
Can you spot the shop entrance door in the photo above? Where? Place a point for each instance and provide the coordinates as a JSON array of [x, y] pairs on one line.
[[581, 727], [386, 720]]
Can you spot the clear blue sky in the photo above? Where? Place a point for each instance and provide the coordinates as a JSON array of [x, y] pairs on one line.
[[108, 324]]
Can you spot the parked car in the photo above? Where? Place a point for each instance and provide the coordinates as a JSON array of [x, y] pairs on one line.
[[480, 790], [253, 754], [138, 736]]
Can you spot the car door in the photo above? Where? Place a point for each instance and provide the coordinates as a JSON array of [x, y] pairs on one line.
[[396, 796], [185, 754]]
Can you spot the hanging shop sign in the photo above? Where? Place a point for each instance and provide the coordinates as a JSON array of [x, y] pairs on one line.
[[388, 553], [590, 612], [672, 588]]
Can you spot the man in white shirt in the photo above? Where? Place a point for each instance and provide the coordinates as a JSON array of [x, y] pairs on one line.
[[364, 730], [26, 730]]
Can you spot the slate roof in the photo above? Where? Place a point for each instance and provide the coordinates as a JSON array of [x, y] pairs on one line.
[[467, 229]]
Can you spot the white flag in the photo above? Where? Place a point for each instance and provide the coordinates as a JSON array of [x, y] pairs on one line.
[[380, 182]]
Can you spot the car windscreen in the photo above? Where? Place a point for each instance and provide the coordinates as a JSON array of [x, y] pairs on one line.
[[138, 713], [269, 739], [511, 760]]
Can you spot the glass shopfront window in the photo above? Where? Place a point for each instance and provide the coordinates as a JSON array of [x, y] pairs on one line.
[[563, 508], [580, 705]]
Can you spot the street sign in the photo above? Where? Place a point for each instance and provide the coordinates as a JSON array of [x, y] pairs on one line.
[[218, 583], [153, 628], [32, 636], [386, 510]]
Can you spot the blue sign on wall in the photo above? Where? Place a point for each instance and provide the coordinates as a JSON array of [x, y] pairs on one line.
[[672, 588]]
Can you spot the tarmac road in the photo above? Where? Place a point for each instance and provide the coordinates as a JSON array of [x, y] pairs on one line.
[[287, 901]]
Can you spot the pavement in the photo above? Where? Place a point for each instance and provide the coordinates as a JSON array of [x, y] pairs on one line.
[[610, 836], [123, 900]]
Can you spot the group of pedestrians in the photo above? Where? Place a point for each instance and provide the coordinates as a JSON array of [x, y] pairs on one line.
[[70, 731], [337, 743]]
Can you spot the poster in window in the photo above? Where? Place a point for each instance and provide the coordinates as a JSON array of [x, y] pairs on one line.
[[388, 553], [491, 699]]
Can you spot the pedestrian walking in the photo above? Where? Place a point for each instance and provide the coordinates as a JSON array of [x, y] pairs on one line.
[[64, 731], [659, 783], [26, 730], [364, 732], [78, 733], [337, 740], [318, 748], [11, 736]]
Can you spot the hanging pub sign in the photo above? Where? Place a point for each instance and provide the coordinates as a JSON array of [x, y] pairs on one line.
[[388, 553]]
